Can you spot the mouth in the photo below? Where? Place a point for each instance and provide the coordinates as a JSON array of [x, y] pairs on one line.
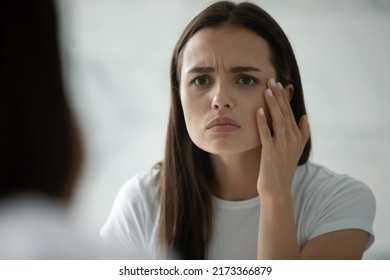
[[222, 124]]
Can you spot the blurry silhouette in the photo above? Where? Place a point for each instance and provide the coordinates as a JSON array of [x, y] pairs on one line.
[[40, 150]]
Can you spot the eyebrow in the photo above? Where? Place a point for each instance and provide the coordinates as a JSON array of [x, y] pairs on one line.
[[236, 69], [239, 69], [201, 70]]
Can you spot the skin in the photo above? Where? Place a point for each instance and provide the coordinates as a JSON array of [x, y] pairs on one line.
[[227, 72]]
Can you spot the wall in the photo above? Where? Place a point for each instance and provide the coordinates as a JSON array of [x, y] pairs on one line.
[[116, 59]]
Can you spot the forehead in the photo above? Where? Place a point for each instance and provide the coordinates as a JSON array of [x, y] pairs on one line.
[[226, 47]]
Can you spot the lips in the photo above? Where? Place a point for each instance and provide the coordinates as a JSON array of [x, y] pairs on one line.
[[221, 122]]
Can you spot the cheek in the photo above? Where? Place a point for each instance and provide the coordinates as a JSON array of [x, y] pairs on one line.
[[261, 103], [251, 113], [192, 117]]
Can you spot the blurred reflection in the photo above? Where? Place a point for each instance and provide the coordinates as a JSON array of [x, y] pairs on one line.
[[40, 151]]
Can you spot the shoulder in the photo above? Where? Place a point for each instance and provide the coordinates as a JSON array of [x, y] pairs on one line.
[[141, 190], [133, 216], [22, 219], [143, 185], [327, 201], [311, 177], [316, 182]]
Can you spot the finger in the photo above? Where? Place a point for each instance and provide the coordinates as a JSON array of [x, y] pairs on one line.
[[278, 120], [286, 99], [262, 126], [304, 129], [289, 112], [278, 91]]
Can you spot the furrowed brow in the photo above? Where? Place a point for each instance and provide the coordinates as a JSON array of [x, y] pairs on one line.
[[236, 69], [201, 70], [239, 69]]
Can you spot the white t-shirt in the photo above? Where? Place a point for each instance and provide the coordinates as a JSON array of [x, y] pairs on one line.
[[35, 227], [323, 202]]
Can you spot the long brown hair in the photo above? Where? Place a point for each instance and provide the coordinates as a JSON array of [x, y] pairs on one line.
[[186, 171]]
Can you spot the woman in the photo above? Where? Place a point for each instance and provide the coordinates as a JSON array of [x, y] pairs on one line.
[[40, 147], [235, 182]]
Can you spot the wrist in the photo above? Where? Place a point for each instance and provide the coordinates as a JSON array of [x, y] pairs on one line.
[[275, 195]]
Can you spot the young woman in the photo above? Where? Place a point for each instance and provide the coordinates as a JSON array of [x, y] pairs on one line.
[[235, 182], [40, 148]]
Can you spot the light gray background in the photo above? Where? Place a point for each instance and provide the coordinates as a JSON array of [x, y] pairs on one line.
[[116, 57]]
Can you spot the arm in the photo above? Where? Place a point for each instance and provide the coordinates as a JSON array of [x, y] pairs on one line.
[[280, 154], [277, 238], [343, 244]]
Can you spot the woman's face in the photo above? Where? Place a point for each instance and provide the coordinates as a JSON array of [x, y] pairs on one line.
[[222, 82]]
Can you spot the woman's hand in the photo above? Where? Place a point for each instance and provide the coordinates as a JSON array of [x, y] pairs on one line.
[[280, 153], [282, 148]]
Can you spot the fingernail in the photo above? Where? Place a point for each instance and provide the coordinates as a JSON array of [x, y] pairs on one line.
[[272, 82], [261, 111], [280, 86], [268, 92]]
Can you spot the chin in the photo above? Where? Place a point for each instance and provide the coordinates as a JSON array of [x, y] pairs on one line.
[[227, 145], [230, 150]]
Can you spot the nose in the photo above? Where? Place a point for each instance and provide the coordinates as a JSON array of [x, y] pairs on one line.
[[222, 99]]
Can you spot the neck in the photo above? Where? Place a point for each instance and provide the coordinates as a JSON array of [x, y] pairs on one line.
[[236, 175]]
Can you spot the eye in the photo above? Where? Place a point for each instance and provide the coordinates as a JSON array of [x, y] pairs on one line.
[[201, 81], [246, 80]]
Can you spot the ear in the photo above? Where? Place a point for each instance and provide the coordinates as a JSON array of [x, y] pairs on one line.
[[290, 91]]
